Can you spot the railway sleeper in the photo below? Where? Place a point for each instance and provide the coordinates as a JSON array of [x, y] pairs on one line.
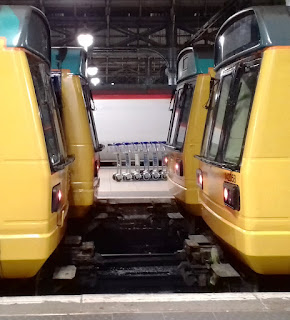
[[203, 264]]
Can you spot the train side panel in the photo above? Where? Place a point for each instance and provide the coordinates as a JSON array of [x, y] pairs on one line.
[[29, 231], [260, 231], [184, 188], [79, 143]]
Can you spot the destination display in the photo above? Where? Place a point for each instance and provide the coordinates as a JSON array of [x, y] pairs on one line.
[[238, 36], [192, 62]]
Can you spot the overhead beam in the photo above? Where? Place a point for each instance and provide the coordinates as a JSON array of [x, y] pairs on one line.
[[211, 22], [133, 36]]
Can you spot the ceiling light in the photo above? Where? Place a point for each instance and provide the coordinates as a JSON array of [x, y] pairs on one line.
[[95, 81], [85, 40], [92, 71]]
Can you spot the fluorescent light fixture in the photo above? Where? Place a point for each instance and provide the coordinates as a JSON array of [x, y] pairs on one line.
[[85, 40], [95, 81], [92, 71]]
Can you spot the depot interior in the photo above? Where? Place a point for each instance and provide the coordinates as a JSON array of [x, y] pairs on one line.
[[138, 232]]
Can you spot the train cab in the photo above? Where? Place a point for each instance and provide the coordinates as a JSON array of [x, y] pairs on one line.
[[243, 173], [33, 158], [186, 126], [77, 105]]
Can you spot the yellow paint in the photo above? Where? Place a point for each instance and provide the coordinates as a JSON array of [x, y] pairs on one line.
[[184, 188], [260, 232], [79, 143], [29, 231]]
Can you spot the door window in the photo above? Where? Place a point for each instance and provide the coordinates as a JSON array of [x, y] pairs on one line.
[[220, 115], [181, 117]]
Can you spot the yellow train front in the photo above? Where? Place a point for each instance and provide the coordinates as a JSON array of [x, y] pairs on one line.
[[73, 92], [245, 156], [33, 159], [186, 126]]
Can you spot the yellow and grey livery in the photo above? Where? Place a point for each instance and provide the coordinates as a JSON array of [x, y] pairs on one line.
[[187, 125], [72, 88], [33, 159], [245, 157]]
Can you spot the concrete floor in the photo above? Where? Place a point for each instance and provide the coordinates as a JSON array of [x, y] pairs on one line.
[[132, 191], [215, 306]]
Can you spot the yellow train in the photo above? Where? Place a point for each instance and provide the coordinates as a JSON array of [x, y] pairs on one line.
[[33, 158], [187, 125], [244, 163], [72, 88]]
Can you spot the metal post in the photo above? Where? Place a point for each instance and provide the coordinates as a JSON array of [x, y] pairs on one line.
[[108, 12], [172, 44]]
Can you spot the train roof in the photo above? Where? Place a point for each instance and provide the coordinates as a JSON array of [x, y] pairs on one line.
[[251, 30], [25, 27], [73, 59], [191, 62]]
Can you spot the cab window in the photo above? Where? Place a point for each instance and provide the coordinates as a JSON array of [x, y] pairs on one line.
[[220, 114], [174, 119], [43, 90], [239, 121], [90, 107], [181, 117], [182, 126], [230, 120], [209, 119], [56, 83]]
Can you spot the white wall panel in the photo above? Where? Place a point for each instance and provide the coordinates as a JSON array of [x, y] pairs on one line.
[[128, 120]]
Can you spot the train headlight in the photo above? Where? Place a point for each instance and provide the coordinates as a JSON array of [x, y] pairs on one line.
[[166, 160], [199, 178], [232, 195], [56, 199], [179, 167]]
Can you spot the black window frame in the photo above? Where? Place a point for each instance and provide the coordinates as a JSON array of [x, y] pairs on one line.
[[237, 72], [88, 99], [34, 60], [215, 112], [181, 94], [243, 69], [56, 84], [176, 101]]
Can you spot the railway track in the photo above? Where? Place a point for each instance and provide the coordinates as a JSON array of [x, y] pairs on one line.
[[141, 248]]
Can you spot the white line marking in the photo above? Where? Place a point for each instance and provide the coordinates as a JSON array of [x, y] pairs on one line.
[[145, 298], [273, 295], [39, 299], [176, 297]]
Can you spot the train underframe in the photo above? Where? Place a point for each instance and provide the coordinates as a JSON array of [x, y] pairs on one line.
[[125, 248]]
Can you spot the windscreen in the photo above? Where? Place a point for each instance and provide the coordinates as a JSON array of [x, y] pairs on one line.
[[180, 117], [228, 118], [90, 107], [47, 109]]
